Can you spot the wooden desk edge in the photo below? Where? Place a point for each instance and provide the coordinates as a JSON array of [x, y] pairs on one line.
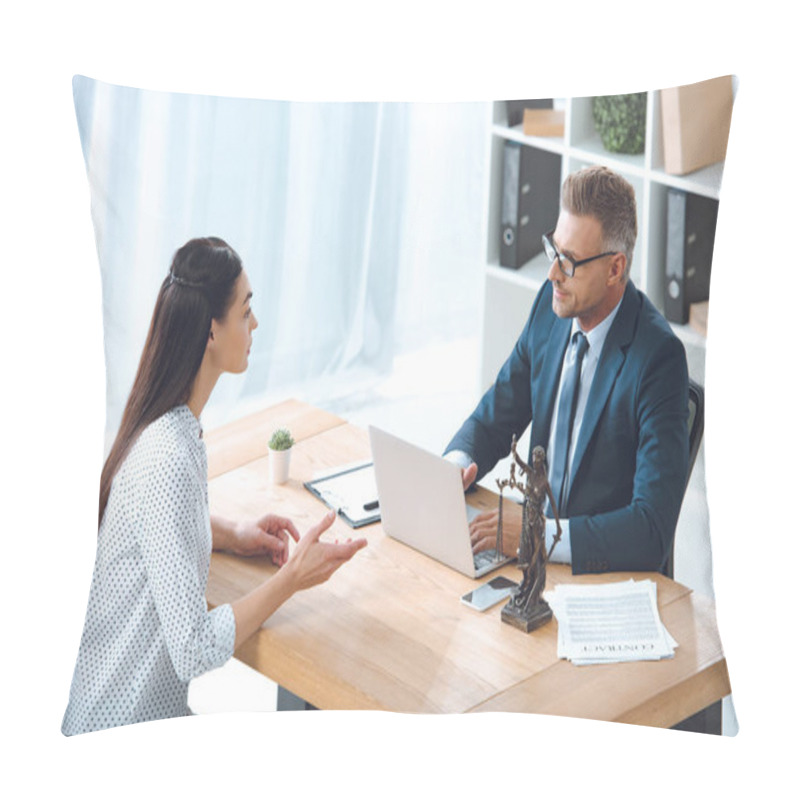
[[678, 703], [663, 710], [293, 672], [670, 704]]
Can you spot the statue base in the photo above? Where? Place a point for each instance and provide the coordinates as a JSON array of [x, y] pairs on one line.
[[539, 615]]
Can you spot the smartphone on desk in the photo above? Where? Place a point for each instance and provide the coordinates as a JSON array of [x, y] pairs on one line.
[[489, 593]]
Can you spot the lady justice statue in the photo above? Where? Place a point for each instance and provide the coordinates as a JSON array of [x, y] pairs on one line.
[[526, 609]]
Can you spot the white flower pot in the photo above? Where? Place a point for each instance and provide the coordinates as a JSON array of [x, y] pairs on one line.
[[279, 465]]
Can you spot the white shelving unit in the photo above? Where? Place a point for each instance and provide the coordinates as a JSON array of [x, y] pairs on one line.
[[509, 293]]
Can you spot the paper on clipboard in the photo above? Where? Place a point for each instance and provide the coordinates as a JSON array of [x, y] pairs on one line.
[[351, 491]]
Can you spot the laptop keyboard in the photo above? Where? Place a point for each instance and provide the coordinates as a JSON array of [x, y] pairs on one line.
[[485, 557]]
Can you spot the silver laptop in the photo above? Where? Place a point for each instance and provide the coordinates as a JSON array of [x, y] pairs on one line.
[[422, 504]]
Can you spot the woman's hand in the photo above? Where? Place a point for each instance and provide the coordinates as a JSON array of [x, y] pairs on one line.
[[313, 561], [268, 536]]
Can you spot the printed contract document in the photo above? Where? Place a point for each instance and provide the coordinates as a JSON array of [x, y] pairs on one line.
[[609, 622]]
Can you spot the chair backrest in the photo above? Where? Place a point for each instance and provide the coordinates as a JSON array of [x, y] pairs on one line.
[[696, 425], [696, 422]]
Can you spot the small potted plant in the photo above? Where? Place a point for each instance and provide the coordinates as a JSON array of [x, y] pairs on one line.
[[280, 453], [620, 119]]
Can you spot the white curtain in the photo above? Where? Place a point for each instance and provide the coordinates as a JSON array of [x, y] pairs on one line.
[[359, 225]]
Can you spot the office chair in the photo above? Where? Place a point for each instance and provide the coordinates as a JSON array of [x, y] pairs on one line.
[[696, 425], [696, 422], [709, 720]]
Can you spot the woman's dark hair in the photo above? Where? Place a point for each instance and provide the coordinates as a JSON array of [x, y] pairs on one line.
[[200, 287]]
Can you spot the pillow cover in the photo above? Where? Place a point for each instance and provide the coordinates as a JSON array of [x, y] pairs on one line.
[[323, 203]]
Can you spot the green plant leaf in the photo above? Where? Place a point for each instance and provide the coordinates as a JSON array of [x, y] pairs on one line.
[[281, 439], [621, 120]]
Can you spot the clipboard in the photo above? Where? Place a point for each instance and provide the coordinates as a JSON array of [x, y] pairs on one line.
[[351, 492]]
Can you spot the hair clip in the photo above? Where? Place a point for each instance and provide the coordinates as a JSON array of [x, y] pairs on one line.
[[183, 282]]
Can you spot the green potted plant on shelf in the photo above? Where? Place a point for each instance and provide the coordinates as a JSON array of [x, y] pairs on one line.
[[280, 453], [620, 119]]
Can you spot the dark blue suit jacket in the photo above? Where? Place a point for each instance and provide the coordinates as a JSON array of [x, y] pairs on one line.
[[631, 460]]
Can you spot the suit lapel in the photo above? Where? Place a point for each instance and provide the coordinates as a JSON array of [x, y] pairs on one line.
[[611, 360], [545, 392]]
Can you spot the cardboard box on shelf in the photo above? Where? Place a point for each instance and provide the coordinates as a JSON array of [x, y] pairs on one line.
[[543, 122], [696, 121]]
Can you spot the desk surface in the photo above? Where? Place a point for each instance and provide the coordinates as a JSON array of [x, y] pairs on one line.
[[388, 630], [244, 440]]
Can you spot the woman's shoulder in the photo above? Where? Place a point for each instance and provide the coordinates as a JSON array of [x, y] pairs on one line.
[[171, 439]]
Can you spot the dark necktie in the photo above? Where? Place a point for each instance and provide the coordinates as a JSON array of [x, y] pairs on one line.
[[566, 416]]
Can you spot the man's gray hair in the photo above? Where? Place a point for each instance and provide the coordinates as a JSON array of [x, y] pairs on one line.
[[603, 194]]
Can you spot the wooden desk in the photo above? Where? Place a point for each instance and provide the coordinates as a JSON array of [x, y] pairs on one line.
[[388, 631]]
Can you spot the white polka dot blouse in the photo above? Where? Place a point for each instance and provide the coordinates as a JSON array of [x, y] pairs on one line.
[[148, 630]]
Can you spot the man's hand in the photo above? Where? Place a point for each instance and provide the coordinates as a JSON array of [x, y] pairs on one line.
[[468, 475], [483, 529], [268, 536]]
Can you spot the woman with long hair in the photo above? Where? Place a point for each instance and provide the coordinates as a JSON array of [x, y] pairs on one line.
[[148, 631]]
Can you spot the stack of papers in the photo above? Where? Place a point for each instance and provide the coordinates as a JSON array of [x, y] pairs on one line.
[[610, 622]]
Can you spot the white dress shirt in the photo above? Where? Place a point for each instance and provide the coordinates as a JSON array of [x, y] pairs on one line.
[[596, 338], [148, 630]]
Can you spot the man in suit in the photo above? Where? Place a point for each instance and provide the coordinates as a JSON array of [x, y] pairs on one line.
[[604, 382]]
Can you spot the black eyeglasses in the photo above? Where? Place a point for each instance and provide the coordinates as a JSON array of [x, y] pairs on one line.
[[565, 263]]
